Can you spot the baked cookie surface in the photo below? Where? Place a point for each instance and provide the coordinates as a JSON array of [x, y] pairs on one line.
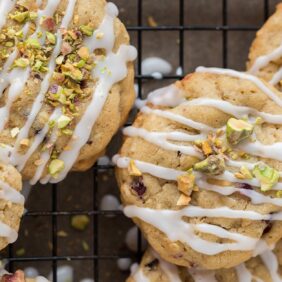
[[66, 84], [266, 267], [199, 169], [265, 55], [11, 204]]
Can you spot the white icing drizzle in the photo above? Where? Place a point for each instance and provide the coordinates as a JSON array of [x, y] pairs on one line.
[[271, 262], [276, 77], [170, 222], [243, 274], [9, 193], [259, 83], [161, 139], [16, 158], [6, 6], [116, 64], [178, 118]]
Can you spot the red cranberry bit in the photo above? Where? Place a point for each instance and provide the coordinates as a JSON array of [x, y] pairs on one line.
[[138, 186], [48, 24], [243, 186]]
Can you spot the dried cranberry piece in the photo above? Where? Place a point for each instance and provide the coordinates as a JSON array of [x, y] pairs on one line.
[[153, 264], [267, 227], [243, 186], [138, 186]]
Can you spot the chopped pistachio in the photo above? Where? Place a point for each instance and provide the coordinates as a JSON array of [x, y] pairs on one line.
[[33, 16], [67, 132], [80, 64], [185, 183], [72, 72], [85, 245], [63, 121], [258, 121], [59, 60], [212, 165], [237, 130], [20, 252], [80, 222], [19, 34], [24, 142], [99, 35], [21, 63], [206, 147], [183, 200], [14, 132], [55, 167], [267, 176], [246, 172], [83, 53], [62, 233], [32, 43], [86, 30], [52, 123], [279, 194], [38, 162], [37, 66], [20, 17], [51, 37], [133, 169]]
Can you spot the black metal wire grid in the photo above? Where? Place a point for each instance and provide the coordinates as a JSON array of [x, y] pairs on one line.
[[95, 213]]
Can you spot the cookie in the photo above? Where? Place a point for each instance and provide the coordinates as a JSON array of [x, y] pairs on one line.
[[266, 267], [265, 55], [199, 169], [11, 204], [66, 84], [19, 276]]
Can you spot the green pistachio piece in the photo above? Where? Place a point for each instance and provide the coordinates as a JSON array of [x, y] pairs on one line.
[[32, 43], [80, 222], [37, 66], [86, 30], [21, 63], [267, 176], [59, 60], [237, 130], [20, 17], [19, 34], [67, 131], [51, 37], [80, 64], [212, 165], [63, 121], [83, 53], [33, 16], [55, 167]]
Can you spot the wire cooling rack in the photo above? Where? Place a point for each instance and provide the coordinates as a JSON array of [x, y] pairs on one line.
[[188, 33]]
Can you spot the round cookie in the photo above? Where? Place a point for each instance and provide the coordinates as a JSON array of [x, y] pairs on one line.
[[11, 204], [19, 276], [266, 267], [66, 84], [199, 169], [265, 55]]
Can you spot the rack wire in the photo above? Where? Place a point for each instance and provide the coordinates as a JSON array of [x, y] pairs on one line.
[[95, 257]]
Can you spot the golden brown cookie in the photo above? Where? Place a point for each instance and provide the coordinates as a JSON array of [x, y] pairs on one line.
[[66, 84], [199, 170], [11, 204], [266, 267], [265, 55]]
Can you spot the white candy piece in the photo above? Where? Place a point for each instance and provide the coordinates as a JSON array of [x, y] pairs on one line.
[[179, 71], [124, 263], [131, 239], [153, 65], [109, 202], [64, 274], [31, 272], [104, 160], [87, 280]]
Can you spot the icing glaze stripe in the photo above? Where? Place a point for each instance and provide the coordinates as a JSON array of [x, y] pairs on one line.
[[246, 76]]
